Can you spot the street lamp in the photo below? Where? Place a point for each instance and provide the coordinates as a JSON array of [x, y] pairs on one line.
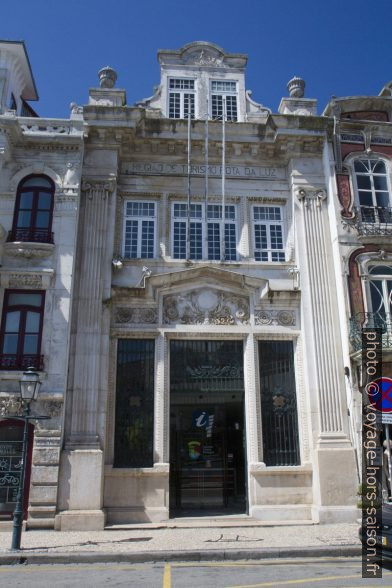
[[29, 388]]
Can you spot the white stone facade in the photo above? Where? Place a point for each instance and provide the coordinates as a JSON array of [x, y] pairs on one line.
[[107, 281]]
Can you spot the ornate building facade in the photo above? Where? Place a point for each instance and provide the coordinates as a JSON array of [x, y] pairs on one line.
[[195, 316], [362, 148]]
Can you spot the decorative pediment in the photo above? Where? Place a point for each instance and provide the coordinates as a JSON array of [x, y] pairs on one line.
[[202, 54], [207, 276], [206, 306]]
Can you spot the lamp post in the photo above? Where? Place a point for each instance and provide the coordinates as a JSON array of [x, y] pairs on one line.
[[29, 388]]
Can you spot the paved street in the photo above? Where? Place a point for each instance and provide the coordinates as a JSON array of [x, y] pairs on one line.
[[323, 572]]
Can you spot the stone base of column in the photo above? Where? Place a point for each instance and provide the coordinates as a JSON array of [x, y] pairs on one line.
[[335, 514], [80, 520], [336, 483], [80, 490]]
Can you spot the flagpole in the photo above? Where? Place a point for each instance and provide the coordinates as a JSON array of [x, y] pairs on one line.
[[206, 179], [223, 252], [188, 233]]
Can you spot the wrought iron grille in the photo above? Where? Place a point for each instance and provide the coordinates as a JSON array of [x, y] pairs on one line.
[[370, 320], [11, 361], [372, 220], [278, 403], [206, 366], [133, 443], [30, 236]]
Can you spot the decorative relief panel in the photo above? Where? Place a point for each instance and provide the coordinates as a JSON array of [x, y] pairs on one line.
[[284, 318], [136, 315], [40, 280], [11, 406], [24, 281], [206, 306]]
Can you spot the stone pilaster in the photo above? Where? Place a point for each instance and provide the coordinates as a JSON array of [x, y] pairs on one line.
[[81, 464], [88, 343], [334, 498]]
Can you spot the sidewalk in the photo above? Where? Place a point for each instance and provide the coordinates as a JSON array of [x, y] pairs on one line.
[[215, 540]]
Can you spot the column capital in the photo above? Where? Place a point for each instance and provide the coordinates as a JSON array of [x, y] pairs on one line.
[[306, 195], [104, 186]]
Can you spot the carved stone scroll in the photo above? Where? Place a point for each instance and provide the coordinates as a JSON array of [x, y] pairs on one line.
[[206, 306]]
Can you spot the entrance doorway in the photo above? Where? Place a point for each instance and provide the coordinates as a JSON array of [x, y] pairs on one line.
[[207, 433]]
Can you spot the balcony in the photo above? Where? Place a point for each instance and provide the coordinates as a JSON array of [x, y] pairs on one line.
[[30, 236], [29, 243], [10, 361], [372, 221], [370, 320]]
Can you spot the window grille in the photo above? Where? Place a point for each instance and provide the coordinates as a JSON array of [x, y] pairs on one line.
[[278, 403], [134, 421]]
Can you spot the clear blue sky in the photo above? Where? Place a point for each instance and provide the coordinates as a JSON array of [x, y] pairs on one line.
[[340, 47]]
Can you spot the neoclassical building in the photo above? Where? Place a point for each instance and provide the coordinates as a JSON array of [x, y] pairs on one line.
[[193, 306]]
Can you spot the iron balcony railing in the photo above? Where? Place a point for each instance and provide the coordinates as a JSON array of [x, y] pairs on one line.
[[30, 235], [370, 320], [11, 361], [372, 220]]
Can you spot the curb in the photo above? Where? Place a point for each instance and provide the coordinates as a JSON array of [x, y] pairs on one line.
[[74, 557]]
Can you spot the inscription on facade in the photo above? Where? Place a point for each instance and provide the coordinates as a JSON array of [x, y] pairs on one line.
[[234, 171]]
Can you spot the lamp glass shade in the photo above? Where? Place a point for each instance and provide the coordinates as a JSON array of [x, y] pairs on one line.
[[29, 385]]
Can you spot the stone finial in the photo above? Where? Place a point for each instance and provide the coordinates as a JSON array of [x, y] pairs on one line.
[[296, 87], [107, 77]]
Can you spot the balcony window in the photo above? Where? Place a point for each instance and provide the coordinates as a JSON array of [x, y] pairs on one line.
[[380, 293], [373, 191], [224, 90], [33, 211], [21, 330], [181, 98]]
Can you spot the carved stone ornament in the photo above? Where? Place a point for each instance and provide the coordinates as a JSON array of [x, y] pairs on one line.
[[25, 281], [284, 318], [204, 57], [101, 187], [52, 408], [136, 315], [206, 306], [11, 406], [29, 250], [306, 195]]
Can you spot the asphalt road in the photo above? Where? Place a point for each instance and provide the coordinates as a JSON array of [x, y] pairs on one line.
[[328, 572]]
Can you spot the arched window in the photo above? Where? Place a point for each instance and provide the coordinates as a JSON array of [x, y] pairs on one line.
[[380, 295], [33, 211], [373, 190]]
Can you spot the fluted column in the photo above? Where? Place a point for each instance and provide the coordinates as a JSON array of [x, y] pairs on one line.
[[320, 284], [161, 401], [253, 428], [88, 343]]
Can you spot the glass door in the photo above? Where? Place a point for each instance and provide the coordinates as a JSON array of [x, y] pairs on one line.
[[207, 449]]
